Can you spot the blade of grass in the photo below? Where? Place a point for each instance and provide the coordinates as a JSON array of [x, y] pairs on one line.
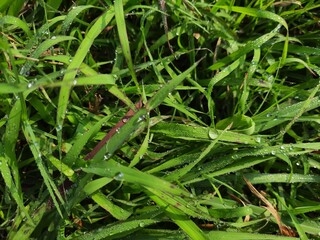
[[115, 170], [159, 97], [123, 36], [245, 49], [71, 72], [181, 219], [16, 22], [9, 182]]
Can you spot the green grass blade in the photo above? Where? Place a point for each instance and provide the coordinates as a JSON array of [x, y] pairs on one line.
[[112, 169], [34, 147], [75, 11], [81, 53], [250, 46], [122, 134], [117, 230], [9, 182], [182, 220], [123, 36], [16, 22], [116, 211], [159, 97], [25, 69]]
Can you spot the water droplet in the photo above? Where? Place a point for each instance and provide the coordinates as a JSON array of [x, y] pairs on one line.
[[124, 120], [141, 118], [282, 148], [59, 128], [269, 115], [74, 82], [119, 176], [258, 139], [141, 224], [30, 85], [273, 152], [213, 134], [117, 130], [70, 60], [53, 37], [107, 156]]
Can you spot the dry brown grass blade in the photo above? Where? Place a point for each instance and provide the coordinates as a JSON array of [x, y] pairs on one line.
[[284, 230]]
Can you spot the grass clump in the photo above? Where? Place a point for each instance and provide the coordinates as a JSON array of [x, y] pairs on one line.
[[216, 139]]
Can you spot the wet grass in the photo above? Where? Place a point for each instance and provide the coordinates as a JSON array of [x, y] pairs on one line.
[[219, 140]]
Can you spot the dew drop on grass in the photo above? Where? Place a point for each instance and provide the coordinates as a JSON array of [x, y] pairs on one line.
[[282, 148], [258, 139], [119, 176], [53, 37], [29, 85], [213, 134], [74, 82], [107, 156], [59, 128], [273, 152], [141, 224], [142, 118]]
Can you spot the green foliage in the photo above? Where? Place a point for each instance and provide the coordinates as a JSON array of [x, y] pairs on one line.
[[239, 98]]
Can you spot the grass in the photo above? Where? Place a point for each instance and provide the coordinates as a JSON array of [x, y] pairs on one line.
[[223, 145]]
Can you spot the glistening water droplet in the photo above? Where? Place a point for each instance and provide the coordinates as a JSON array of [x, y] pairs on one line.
[[213, 134], [119, 176]]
